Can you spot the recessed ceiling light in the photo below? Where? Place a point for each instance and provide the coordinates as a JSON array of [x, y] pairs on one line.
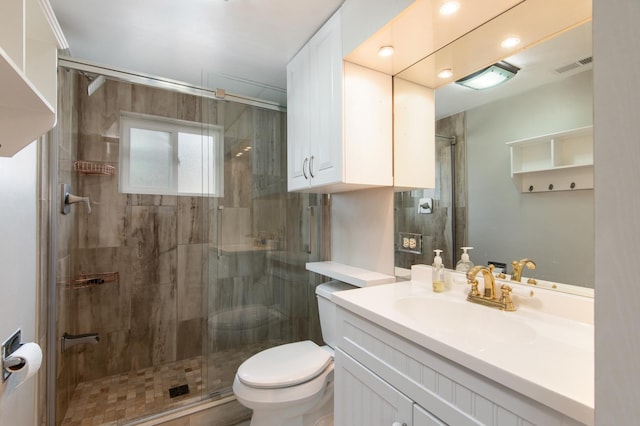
[[449, 8], [510, 42], [445, 73], [385, 51]]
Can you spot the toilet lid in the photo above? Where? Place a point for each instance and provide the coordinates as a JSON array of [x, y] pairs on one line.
[[284, 365]]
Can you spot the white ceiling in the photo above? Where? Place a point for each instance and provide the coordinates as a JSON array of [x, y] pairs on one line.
[[537, 67], [243, 46], [214, 43]]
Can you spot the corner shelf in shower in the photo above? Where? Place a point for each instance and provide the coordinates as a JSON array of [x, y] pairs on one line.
[[92, 168], [92, 280]]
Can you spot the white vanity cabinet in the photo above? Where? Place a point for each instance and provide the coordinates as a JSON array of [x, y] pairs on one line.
[[364, 399], [29, 41], [339, 119], [382, 378]]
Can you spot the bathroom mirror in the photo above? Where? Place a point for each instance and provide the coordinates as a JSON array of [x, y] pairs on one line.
[[552, 92]]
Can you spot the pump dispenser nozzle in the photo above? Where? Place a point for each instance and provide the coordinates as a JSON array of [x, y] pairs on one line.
[[464, 264]]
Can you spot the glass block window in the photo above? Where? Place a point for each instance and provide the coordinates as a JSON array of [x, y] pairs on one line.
[[165, 156]]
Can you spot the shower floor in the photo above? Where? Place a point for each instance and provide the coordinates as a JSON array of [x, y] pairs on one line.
[[117, 399], [131, 395]]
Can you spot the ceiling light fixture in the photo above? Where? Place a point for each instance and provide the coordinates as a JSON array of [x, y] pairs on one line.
[[488, 77], [449, 8], [445, 73], [510, 42], [385, 51]]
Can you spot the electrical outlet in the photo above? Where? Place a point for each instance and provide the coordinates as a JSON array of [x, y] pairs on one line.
[[499, 267], [425, 206], [410, 243]]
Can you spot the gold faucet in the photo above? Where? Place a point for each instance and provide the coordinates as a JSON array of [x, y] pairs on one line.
[[489, 298], [518, 266]]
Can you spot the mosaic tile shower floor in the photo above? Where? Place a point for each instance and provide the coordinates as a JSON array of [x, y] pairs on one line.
[[115, 400], [131, 395]]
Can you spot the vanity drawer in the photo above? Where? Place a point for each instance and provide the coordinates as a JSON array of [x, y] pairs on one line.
[[451, 392]]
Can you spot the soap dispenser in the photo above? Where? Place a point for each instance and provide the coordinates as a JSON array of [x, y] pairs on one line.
[[437, 276], [464, 264]]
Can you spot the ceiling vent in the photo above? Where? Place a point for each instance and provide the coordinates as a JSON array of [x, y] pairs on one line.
[[574, 65]]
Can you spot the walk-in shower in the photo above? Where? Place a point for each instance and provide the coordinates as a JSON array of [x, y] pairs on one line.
[[175, 284]]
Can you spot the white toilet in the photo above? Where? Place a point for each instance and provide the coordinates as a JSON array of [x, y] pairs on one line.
[[292, 384]]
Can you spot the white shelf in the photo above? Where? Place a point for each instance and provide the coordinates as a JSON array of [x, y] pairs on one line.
[[350, 274], [560, 161], [28, 72]]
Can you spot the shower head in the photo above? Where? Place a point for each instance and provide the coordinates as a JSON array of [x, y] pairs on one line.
[[95, 84]]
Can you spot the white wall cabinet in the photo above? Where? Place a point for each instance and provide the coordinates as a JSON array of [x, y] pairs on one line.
[[382, 378], [29, 41], [339, 128], [560, 161]]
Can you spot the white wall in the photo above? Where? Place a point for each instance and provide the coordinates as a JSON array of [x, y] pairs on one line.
[[18, 260], [362, 229], [555, 229], [617, 206]]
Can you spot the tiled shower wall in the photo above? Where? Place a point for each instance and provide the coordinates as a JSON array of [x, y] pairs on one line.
[[181, 260], [436, 228]]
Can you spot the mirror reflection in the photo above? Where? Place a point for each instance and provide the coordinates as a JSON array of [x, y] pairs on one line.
[[476, 201]]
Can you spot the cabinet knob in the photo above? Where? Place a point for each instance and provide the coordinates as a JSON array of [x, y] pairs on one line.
[[304, 164]]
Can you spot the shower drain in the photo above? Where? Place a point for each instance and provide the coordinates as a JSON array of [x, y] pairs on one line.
[[178, 391]]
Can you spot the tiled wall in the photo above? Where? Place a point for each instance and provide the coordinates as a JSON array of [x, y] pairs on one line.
[[436, 228], [185, 264]]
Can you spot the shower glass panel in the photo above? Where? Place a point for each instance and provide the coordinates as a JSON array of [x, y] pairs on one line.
[[258, 292], [183, 288]]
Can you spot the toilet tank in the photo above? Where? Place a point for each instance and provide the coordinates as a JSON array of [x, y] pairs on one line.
[[327, 309]]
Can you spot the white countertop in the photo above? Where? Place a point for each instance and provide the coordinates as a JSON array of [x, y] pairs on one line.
[[545, 357]]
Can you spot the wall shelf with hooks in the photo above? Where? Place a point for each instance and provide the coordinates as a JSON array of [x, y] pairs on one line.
[[560, 161], [92, 168]]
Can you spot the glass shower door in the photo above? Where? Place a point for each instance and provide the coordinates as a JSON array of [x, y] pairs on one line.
[[261, 236]]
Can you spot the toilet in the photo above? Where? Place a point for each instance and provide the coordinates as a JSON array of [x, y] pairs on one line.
[[292, 384]]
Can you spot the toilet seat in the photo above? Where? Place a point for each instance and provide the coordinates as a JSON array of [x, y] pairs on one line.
[[284, 366]]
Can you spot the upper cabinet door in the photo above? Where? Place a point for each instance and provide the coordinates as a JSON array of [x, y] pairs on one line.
[[298, 121], [325, 55]]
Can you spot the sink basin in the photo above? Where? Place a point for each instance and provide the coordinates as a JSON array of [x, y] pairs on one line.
[[470, 321]]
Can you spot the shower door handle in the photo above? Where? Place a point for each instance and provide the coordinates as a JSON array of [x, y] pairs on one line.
[[312, 229]]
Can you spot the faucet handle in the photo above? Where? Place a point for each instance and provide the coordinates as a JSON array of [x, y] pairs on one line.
[[505, 298], [474, 286]]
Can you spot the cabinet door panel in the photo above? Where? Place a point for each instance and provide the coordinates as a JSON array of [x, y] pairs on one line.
[[363, 399], [422, 417], [325, 53], [298, 120]]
